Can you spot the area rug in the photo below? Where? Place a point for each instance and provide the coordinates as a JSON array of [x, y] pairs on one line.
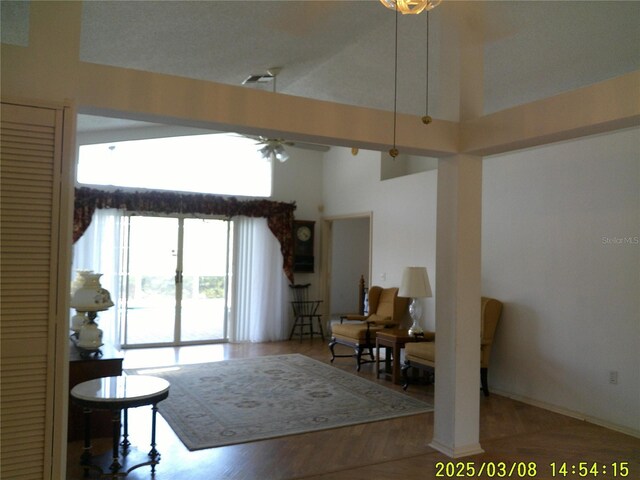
[[249, 399]]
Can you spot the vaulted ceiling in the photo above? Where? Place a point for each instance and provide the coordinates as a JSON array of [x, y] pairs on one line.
[[343, 51]]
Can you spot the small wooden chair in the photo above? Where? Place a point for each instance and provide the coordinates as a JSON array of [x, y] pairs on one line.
[[305, 311]]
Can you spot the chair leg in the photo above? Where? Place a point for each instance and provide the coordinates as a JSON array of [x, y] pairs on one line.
[[358, 351], [358, 357], [320, 328], [312, 328], [405, 374], [483, 380], [371, 354], [305, 323], [293, 329], [332, 344]]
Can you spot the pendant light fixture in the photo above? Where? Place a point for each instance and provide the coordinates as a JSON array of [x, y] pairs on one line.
[[426, 119], [394, 151], [410, 6]]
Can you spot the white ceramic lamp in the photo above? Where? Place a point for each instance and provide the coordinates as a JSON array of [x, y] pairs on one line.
[[415, 285], [88, 297]]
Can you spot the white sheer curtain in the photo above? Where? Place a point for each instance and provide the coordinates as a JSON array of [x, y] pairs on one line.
[[259, 311], [260, 300], [99, 249]]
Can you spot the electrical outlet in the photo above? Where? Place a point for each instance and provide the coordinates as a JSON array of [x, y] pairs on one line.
[[613, 377]]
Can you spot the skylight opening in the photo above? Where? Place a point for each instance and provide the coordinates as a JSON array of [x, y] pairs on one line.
[[219, 163]]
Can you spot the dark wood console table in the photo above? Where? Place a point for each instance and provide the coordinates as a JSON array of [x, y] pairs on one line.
[[83, 369]]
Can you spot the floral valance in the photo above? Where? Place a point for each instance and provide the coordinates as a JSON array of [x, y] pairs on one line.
[[279, 215]]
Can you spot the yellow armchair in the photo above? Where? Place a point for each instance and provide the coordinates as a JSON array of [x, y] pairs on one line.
[[385, 311], [422, 355]]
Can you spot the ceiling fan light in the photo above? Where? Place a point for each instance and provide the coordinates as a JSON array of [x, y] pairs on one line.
[[281, 154], [410, 6], [268, 153]]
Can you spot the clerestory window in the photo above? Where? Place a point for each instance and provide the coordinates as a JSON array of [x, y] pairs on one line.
[[220, 163]]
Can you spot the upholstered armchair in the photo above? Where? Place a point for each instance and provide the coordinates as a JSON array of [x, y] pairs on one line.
[[422, 355], [386, 310]]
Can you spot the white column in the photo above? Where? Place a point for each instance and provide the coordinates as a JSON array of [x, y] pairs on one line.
[[458, 273], [457, 386]]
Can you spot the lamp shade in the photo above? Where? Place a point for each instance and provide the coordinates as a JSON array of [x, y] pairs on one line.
[[88, 295], [281, 154], [415, 283], [266, 152]]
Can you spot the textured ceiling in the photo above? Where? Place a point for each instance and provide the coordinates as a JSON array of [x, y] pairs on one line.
[[343, 51]]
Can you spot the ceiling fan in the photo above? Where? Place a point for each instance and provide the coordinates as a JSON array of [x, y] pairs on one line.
[[272, 148]]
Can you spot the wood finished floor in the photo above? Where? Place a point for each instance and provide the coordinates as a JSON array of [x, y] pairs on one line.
[[510, 431]]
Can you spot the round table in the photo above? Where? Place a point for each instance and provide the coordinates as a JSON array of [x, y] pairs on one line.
[[118, 394]]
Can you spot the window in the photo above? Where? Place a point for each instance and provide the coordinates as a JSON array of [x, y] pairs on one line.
[[219, 163]]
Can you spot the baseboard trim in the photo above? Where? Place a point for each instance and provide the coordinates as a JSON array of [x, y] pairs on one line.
[[567, 412], [457, 452]]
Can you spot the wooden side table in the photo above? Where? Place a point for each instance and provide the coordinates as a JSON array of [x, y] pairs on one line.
[[395, 339]]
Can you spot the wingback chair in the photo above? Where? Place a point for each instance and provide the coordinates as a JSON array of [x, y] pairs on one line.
[[422, 355], [386, 310]]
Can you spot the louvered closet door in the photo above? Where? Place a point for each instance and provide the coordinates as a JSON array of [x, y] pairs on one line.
[[29, 180]]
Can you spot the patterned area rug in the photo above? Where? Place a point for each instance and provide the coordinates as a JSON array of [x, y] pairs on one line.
[[244, 400]]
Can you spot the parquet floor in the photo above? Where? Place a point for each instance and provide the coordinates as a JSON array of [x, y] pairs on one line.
[[512, 433]]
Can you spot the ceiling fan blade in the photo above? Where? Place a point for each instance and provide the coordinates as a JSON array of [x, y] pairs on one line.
[[257, 138], [310, 146], [261, 140]]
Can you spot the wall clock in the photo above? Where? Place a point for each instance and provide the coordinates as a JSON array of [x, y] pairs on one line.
[[303, 233], [303, 260]]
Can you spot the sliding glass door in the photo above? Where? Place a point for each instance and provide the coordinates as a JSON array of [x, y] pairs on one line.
[[206, 274], [176, 278], [150, 289]]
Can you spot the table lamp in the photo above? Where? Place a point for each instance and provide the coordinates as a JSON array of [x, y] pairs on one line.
[[415, 285], [88, 298]]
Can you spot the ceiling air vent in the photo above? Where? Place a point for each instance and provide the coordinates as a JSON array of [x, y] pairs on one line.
[[268, 77], [261, 78]]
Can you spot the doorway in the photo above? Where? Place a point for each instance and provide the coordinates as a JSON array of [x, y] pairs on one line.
[[176, 276], [346, 257]]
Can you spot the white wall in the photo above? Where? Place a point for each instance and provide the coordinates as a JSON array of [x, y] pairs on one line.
[[403, 218], [561, 227], [300, 180], [571, 290]]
